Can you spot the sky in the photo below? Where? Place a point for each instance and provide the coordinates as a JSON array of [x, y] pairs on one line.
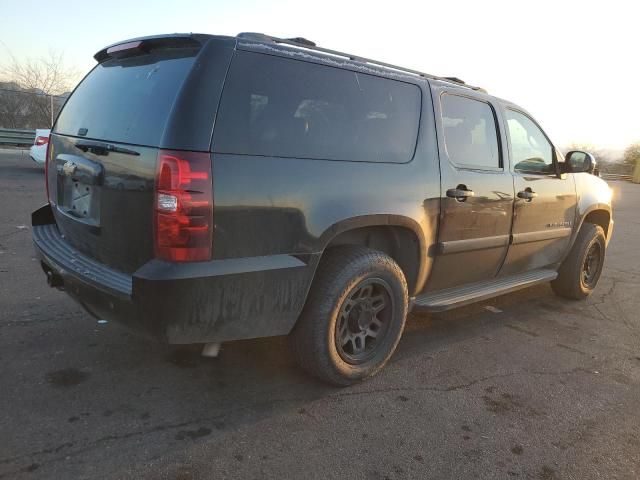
[[574, 65]]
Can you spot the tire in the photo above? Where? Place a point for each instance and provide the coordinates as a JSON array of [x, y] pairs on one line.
[[353, 318], [579, 273]]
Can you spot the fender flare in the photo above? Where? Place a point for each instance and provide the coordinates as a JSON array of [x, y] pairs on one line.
[[580, 221], [377, 220]]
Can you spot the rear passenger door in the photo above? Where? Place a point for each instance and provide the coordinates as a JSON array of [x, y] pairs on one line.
[[476, 189]]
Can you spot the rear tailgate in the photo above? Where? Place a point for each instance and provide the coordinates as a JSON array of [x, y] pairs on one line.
[[104, 146], [103, 203]]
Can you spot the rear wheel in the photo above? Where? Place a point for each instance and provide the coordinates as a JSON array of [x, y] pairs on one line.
[[354, 316], [579, 273]]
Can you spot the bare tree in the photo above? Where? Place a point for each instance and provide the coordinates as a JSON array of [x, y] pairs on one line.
[[40, 83], [12, 106], [632, 154], [47, 75]]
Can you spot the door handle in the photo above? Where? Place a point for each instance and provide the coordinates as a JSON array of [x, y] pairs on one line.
[[460, 193], [527, 194]]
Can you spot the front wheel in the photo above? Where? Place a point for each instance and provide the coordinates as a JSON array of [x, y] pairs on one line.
[[354, 316], [579, 273]]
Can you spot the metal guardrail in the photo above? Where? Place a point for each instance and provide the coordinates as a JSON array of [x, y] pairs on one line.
[[10, 136], [615, 176]]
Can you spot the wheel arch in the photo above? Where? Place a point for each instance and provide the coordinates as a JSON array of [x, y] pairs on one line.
[[398, 236], [596, 214]]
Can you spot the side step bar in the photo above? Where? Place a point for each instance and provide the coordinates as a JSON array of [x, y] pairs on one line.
[[475, 292]]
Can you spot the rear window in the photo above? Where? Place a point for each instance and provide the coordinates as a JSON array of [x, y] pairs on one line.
[[127, 100], [279, 107], [470, 132]]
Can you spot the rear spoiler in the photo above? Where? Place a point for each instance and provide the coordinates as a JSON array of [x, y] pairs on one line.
[[137, 46]]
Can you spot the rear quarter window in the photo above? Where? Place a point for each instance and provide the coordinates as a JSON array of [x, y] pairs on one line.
[[127, 100], [273, 106]]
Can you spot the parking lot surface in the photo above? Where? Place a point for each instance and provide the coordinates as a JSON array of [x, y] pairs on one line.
[[532, 387]]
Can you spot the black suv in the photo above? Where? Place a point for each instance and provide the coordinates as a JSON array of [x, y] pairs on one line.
[[204, 189]]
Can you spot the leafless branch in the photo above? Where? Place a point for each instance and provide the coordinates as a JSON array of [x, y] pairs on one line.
[[35, 81]]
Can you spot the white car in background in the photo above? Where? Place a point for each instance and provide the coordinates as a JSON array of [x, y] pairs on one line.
[[38, 150]]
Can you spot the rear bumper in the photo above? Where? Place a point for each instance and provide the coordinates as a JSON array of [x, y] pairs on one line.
[[214, 301]]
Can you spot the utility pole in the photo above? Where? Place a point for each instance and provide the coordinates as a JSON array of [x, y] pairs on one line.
[[51, 105]]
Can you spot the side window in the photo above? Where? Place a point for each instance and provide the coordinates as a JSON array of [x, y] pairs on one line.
[[273, 106], [530, 149], [470, 133]]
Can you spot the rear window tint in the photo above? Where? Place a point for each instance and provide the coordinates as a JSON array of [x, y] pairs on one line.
[[127, 100], [470, 132], [278, 107]]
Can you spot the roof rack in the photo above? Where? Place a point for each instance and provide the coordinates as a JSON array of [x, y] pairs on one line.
[[301, 42]]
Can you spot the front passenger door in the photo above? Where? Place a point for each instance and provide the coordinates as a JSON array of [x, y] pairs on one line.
[[545, 203]]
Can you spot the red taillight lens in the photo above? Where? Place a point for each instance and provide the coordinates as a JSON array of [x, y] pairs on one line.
[[124, 46], [42, 140], [46, 168], [183, 206]]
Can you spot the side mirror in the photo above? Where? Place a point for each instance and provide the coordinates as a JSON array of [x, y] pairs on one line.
[[577, 162]]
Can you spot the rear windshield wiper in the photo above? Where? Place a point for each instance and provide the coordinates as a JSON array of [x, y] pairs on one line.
[[99, 148]]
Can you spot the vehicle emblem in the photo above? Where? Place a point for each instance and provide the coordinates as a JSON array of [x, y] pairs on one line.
[[559, 224], [69, 168]]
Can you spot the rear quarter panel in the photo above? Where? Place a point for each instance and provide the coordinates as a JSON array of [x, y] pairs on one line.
[[274, 205]]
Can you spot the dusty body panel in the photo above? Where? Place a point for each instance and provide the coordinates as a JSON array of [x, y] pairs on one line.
[[473, 235]]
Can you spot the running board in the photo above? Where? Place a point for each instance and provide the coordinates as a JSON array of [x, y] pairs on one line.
[[475, 292]]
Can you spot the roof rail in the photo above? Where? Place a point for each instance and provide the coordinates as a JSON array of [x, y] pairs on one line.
[[301, 42]]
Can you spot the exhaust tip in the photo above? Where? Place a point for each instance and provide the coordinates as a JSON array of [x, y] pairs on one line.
[[211, 349], [53, 279]]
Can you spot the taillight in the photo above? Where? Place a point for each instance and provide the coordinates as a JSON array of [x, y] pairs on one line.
[[183, 206], [124, 46], [46, 169], [42, 140]]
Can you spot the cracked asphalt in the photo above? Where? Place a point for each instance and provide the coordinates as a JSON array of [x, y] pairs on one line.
[[535, 387]]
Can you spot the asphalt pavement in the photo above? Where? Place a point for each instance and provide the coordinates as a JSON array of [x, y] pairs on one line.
[[526, 386]]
